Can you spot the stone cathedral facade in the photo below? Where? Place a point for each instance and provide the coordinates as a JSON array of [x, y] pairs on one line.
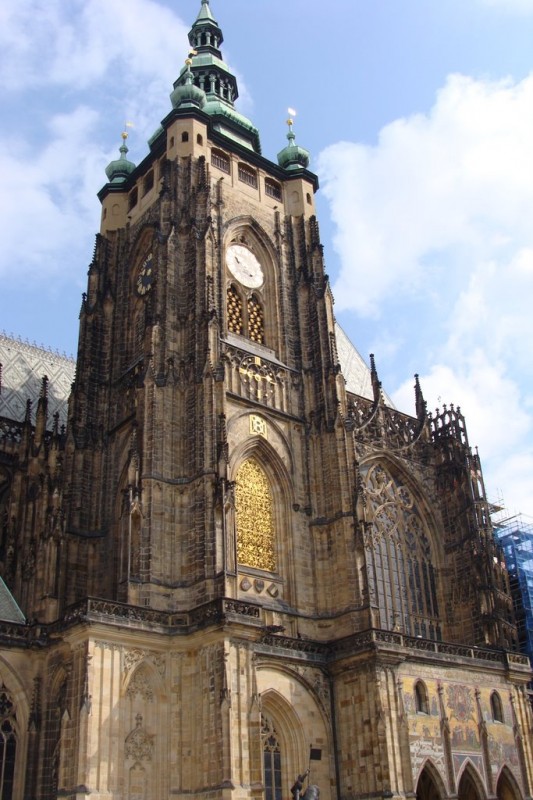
[[238, 560]]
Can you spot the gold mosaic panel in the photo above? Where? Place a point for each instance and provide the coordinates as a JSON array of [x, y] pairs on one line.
[[255, 519]]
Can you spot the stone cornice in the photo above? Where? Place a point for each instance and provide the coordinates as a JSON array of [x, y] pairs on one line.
[[387, 646]]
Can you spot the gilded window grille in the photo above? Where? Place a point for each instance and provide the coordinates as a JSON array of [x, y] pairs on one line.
[[256, 323], [255, 518], [234, 307]]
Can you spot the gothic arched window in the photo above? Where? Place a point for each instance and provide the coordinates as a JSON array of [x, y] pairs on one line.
[[421, 698], [271, 759], [8, 745], [496, 707], [254, 517], [401, 575]]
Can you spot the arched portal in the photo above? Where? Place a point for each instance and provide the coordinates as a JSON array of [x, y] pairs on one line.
[[506, 788], [429, 787], [469, 786]]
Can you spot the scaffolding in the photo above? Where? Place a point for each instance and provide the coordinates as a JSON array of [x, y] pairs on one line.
[[515, 535]]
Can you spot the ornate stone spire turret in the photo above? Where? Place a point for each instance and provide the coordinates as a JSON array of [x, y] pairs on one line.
[[376, 383], [118, 171], [211, 75], [421, 405]]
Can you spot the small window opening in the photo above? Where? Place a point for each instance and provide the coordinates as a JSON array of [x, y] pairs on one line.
[[199, 138], [220, 160], [421, 698], [133, 198], [148, 182], [496, 707], [272, 189], [185, 136], [247, 175]]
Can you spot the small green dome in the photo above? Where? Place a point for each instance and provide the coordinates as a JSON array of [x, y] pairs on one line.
[[187, 95], [118, 171], [293, 157]]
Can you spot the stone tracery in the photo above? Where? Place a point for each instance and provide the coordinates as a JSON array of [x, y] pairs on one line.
[[402, 581]]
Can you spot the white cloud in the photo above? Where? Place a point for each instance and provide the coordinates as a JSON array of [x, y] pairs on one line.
[[77, 45], [437, 217], [120, 58], [48, 191], [510, 6], [455, 179]]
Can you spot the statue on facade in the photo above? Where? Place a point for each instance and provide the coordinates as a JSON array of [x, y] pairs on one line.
[[311, 793]]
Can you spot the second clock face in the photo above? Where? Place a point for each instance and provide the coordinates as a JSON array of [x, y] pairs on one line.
[[244, 266], [145, 277]]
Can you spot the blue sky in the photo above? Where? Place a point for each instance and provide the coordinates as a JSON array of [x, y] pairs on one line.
[[419, 118]]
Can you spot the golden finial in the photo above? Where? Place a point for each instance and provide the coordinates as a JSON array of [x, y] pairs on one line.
[[124, 133], [292, 113]]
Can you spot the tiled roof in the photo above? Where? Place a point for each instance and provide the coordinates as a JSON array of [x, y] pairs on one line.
[[354, 368], [23, 367], [9, 610]]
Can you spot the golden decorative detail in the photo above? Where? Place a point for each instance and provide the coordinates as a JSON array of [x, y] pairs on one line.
[[235, 321], [255, 519], [257, 377], [256, 325], [258, 426]]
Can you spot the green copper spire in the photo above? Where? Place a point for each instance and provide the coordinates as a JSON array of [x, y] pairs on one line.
[[205, 35], [205, 12], [293, 157], [214, 78], [119, 170]]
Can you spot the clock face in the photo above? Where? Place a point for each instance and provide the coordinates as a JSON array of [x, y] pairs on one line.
[[145, 278], [244, 266]]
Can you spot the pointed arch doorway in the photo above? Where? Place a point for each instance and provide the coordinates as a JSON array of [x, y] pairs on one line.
[[427, 787], [507, 788], [469, 786]]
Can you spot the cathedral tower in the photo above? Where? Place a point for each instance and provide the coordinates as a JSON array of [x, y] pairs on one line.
[[239, 561]]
